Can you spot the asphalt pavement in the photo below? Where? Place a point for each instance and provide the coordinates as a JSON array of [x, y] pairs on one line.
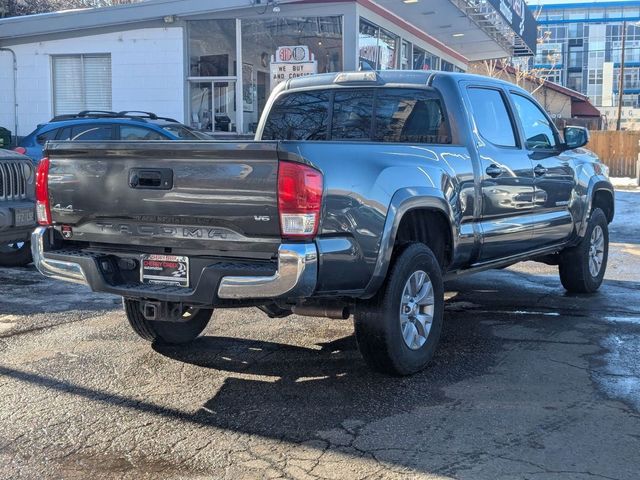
[[528, 383]]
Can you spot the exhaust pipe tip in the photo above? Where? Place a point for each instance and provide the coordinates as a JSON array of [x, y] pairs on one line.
[[335, 312]]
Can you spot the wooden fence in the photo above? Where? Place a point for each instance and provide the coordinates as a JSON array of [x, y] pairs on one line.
[[618, 150]]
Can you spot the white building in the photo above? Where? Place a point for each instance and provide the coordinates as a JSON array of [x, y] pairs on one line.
[[180, 58]]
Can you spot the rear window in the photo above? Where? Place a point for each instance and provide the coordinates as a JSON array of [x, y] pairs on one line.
[[46, 136], [299, 116], [352, 115], [378, 114]]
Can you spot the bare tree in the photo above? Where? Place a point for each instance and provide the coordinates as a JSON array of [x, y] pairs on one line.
[[490, 68], [14, 8]]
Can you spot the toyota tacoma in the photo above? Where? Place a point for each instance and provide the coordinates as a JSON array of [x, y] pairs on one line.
[[360, 195]]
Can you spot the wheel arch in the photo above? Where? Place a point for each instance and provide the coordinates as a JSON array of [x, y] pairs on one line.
[[603, 199], [406, 205], [600, 194]]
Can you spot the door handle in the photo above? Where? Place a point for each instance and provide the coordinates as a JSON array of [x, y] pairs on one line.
[[539, 170], [153, 179], [494, 171]]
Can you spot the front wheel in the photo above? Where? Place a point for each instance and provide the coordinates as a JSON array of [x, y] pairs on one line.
[[582, 267], [184, 330], [398, 330], [16, 254]]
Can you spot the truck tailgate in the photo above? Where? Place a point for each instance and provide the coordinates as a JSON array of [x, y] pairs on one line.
[[205, 196]]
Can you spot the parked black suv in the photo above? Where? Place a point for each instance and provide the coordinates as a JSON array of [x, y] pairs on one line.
[[17, 208]]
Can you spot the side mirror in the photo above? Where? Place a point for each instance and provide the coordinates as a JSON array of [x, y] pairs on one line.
[[575, 137]]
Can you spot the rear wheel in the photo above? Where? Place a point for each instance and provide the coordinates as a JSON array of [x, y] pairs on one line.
[[582, 267], [16, 254], [183, 330], [398, 330]]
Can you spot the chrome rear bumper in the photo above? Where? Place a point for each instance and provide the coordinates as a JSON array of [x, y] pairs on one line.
[[58, 269], [297, 272], [295, 277]]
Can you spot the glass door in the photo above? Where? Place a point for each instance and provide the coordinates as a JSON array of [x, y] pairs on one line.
[[213, 105]]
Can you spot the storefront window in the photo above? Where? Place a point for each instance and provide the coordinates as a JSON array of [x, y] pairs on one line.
[[212, 75], [406, 60], [212, 48], [304, 45], [446, 66], [378, 47], [423, 60]]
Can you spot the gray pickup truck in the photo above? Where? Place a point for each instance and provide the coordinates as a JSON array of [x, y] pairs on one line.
[[361, 194], [17, 208]]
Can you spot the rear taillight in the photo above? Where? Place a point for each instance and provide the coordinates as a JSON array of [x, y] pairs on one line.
[[20, 150], [299, 199], [43, 209]]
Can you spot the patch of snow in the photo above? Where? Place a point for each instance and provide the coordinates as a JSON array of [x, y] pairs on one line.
[[624, 182], [620, 377], [635, 320]]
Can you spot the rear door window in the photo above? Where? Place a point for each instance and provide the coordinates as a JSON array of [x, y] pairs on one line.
[[92, 132], [411, 116], [491, 116], [299, 116]]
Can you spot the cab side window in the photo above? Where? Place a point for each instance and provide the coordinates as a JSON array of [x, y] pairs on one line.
[[538, 132], [128, 132], [491, 116]]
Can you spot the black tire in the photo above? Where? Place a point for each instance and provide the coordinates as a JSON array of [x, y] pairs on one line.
[[575, 274], [377, 321], [167, 332], [16, 254]]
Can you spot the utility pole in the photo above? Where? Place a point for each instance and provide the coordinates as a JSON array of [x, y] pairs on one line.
[[621, 82]]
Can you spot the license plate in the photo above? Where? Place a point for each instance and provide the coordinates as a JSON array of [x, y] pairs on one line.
[[23, 217], [166, 270]]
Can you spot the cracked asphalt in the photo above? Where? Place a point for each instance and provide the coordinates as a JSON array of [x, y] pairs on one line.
[[528, 383]]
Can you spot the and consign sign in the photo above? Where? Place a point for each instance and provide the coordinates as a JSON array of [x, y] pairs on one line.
[[292, 62]]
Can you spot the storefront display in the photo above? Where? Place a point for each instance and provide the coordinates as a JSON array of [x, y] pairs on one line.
[[280, 48], [229, 83]]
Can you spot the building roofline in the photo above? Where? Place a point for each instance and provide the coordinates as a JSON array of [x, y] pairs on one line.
[[27, 26], [92, 18]]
